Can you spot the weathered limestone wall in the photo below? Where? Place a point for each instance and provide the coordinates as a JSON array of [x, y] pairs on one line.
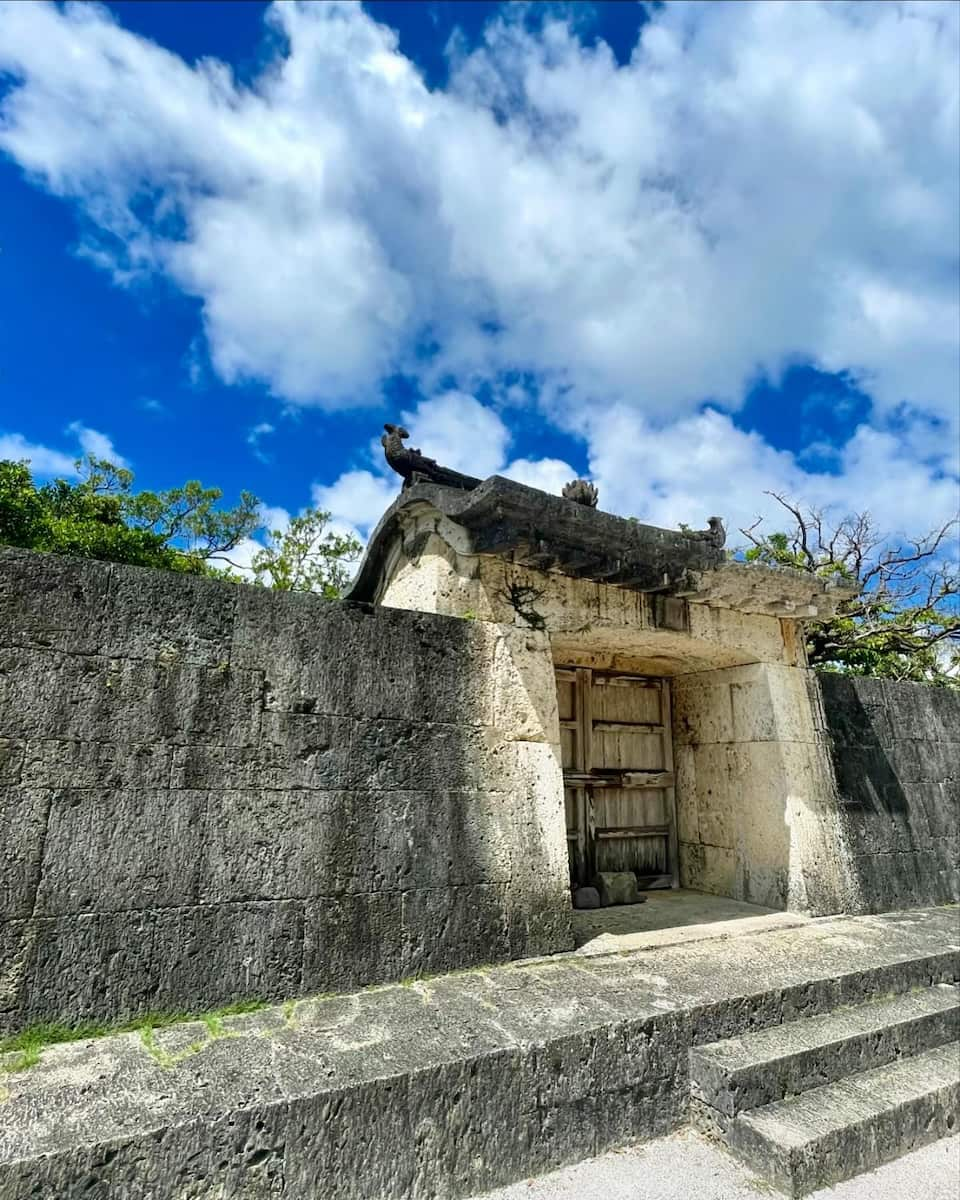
[[756, 813], [210, 792], [896, 754]]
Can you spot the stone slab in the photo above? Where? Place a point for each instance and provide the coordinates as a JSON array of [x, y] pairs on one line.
[[460, 1082]]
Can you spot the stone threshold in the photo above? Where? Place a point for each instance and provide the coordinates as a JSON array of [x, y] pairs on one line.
[[678, 935], [443, 1087]]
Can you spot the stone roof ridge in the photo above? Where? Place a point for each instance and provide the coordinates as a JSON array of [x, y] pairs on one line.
[[545, 532]]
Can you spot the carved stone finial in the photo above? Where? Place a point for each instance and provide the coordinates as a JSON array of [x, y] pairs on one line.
[[715, 535], [415, 467], [581, 491]]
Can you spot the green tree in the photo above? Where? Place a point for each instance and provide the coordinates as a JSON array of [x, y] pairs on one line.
[[307, 557], [100, 516], [903, 622]]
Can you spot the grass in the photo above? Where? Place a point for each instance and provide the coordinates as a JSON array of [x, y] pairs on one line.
[[28, 1045], [22, 1050]]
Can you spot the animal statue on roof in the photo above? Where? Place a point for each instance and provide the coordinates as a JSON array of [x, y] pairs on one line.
[[581, 491], [714, 535], [415, 467]]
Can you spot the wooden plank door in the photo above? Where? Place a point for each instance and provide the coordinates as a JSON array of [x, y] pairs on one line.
[[618, 775]]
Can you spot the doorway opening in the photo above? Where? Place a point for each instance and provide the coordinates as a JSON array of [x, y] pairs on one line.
[[618, 776]]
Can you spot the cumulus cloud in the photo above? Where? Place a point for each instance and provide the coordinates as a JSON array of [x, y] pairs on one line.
[[92, 441], [47, 462], [456, 430], [356, 500], [759, 182], [704, 465], [547, 474], [43, 460]]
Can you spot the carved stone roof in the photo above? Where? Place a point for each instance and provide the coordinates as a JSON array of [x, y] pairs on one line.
[[548, 533]]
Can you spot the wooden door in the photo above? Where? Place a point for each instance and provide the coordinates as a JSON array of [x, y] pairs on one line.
[[618, 775]]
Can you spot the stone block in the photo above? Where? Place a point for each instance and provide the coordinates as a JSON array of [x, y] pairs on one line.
[[444, 930], [702, 710], [106, 965], [300, 844], [165, 617], [45, 694], [23, 824], [917, 711], [852, 721], [521, 685], [586, 897], [108, 851], [617, 887], [352, 941], [338, 658], [270, 845], [56, 763], [11, 761], [51, 602], [538, 916], [710, 869]]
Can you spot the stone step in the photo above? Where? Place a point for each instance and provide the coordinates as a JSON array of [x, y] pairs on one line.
[[759, 1068], [831, 1133]]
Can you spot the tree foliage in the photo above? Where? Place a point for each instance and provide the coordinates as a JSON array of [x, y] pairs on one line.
[[903, 622], [307, 557], [101, 516]]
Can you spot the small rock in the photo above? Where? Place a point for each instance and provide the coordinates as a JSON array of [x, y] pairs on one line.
[[618, 887], [586, 897]]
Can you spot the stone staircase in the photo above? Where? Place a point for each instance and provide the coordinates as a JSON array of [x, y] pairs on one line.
[[817, 1100]]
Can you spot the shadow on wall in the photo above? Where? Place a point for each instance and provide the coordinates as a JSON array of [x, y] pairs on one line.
[[211, 792], [895, 749]]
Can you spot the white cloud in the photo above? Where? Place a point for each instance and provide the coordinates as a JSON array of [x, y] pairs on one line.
[[705, 465], [274, 518], [760, 181], [356, 501], [92, 441], [43, 460], [459, 432], [547, 474], [456, 430], [254, 436], [47, 462]]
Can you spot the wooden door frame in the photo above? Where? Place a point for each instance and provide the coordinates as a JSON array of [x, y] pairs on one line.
[[583, 834]]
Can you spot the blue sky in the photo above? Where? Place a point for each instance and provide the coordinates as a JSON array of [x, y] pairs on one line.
[[696, 252]]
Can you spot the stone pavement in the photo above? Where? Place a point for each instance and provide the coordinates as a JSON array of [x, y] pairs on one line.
[[671, 916], [686, 1167]]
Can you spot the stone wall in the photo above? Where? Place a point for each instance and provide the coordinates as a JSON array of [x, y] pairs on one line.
[[817, 793], [211, 791], [757, 817], [896, 756]]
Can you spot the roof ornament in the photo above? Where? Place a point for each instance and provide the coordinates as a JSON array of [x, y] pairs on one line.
[[580, 491], [715, 535], [415, 467]]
